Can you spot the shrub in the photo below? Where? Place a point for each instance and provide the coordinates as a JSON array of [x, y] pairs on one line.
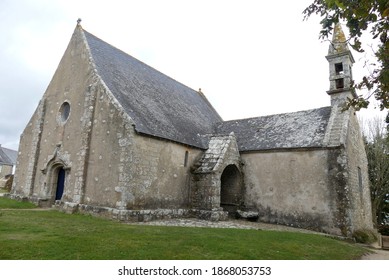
[[365, 236], [8, 183]]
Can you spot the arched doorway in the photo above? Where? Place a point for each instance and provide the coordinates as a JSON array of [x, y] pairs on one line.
[[231, 189], [60, 183]]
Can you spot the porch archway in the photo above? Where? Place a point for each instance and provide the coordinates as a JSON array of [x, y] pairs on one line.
[[231, 189]]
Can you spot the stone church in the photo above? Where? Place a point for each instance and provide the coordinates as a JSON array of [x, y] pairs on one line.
[[114, 137]]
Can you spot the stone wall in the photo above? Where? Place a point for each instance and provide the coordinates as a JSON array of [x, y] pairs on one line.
[[347, 165], [28, 153], [289, 187], [339, 190], [131, 171], [59, 141], [5, 170], [324, 189], [360, 203]]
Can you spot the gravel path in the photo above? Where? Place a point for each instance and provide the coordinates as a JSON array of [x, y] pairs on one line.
[[377, 253], [241, 224]]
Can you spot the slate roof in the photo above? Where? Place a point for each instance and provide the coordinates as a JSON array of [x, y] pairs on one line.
[[159, 105], [162, 107], [8, 156], [304, 129]]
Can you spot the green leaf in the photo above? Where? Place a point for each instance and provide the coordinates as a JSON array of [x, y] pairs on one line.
[[385, 13], [340, 4]]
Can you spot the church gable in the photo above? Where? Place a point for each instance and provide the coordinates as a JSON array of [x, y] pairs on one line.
[[217, 178], [222, 151]]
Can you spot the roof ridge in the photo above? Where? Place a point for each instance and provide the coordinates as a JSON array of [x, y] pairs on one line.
[[301, 129], [164, 107], [272, 115]]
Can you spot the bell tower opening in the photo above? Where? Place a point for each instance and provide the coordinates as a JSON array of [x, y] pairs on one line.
[[339, 69], [339, 83]]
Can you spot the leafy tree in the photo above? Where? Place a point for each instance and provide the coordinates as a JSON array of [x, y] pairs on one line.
[[377, 150], [371, 16]]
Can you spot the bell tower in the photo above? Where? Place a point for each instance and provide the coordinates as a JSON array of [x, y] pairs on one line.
[[340, 61]]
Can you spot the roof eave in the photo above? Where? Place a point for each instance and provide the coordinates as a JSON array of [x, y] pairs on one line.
[[289, 149]]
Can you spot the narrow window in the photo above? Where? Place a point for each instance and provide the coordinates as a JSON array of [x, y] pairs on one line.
[[339, 83], [360, 179], [339, 68], [186, 159], [351, 73]]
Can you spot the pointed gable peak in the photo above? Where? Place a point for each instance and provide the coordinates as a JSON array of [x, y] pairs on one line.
[[339, 42]]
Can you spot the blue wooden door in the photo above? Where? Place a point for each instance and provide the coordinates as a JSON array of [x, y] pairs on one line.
[[60, 184]]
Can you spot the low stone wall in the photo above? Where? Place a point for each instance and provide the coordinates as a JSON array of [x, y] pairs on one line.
[[144, 215]]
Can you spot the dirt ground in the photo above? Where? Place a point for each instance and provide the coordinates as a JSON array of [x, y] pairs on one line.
[[377, 254]]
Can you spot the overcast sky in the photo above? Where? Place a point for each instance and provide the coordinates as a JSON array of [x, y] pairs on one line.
[[249, 57]]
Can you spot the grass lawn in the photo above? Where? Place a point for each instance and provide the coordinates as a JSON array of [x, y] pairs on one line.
[[31, 234], [7, 203]]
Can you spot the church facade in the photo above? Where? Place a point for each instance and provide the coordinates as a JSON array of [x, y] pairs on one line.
[[114, 137]]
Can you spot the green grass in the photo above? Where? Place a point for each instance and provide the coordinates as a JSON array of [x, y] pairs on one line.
[[7, 203], [30, 234]]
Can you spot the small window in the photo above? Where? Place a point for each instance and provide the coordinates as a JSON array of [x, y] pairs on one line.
[[339, 68], [339, 83], [360, 183], [64, 111], [186, 159]]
